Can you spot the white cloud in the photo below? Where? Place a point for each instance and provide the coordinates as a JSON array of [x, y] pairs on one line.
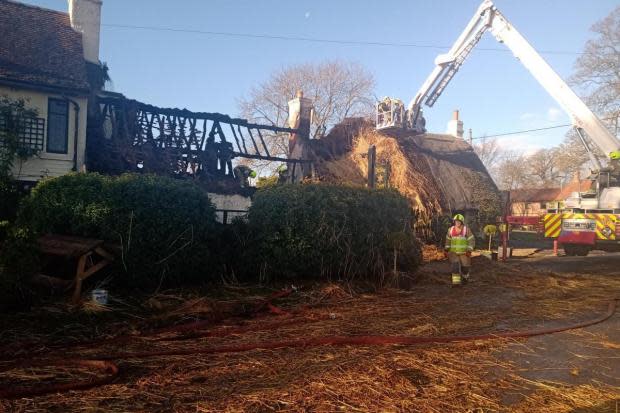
[[307, 15], [524, 143], [554, 114]]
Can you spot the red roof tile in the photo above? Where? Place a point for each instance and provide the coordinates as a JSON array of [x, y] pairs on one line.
[[534, 195], [38, 46], [575, 186]]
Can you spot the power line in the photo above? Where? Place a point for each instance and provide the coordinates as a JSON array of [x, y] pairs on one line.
[[314, 39], [532, 130], [522, 131]]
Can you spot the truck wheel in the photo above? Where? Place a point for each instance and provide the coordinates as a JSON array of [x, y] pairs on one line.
[[570, 250], [583, 251]]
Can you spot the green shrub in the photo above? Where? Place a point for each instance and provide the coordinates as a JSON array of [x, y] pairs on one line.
[[18, 261], [74, 204], [9, 199], [163, 227], [329, 231]]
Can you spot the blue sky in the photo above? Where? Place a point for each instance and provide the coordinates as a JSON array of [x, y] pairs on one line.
[[201, 72]]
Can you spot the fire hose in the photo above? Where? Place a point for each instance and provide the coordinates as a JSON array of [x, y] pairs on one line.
[[105, 364]]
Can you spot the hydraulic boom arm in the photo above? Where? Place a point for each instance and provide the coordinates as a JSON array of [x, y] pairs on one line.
[[488, 17]]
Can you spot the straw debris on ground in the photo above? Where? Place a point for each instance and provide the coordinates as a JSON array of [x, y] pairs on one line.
[[573, 371]]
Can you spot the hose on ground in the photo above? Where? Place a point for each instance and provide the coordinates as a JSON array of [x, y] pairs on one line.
[[105, 363]]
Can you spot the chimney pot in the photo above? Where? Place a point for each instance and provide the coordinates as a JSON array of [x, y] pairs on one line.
[[86, 19], [455, 126]]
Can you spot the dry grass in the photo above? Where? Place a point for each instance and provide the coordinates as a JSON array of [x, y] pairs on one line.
[[432, 253], [481, 376]]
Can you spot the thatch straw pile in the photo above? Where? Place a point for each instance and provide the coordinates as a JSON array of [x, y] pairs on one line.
[[437, 173]]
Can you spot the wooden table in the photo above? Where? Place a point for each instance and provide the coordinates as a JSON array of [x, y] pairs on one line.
[[90, 254]]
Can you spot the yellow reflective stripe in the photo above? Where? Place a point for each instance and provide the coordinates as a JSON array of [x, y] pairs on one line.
[[553, 226], [552, 222], [555, 229]]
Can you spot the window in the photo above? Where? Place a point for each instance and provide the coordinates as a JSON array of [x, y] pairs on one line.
[[57, 126]]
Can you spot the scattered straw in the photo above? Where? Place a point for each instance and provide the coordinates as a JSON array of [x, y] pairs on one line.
[[485, 376]]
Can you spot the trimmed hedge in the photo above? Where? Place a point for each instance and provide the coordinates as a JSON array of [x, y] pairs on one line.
[[329, 231], [18, 261], [167, 234], [163, 227], [9, 199]]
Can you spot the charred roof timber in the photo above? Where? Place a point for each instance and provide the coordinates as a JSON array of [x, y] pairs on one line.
[[134, 136]]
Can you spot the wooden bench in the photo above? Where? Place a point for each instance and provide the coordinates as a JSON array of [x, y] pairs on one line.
[[90, 254]]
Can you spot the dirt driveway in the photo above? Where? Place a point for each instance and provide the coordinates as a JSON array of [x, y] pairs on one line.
[[574, 371], [577, 361]]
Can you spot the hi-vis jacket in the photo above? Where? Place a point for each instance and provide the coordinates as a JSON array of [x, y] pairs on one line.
[[460, 241]]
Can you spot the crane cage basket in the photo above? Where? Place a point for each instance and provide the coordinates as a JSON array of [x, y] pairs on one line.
[[390, 113]]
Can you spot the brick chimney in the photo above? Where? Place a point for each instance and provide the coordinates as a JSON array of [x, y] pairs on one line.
[[86, 18], [455, 126], [300, 118]]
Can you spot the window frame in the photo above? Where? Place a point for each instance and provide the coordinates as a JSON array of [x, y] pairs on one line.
[[51, 100]]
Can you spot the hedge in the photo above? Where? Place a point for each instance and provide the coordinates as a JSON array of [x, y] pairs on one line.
[[9, 199], [166, 232], [162, 227], [330, 231], [18, 261]]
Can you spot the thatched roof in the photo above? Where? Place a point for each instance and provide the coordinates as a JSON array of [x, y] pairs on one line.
[[440, 174], [455, 168]]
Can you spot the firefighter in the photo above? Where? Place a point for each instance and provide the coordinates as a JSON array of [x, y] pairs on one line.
[[242, 175], [282, 171], [460, 243]]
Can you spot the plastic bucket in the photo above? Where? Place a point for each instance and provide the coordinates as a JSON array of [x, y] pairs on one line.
[[100, 296]]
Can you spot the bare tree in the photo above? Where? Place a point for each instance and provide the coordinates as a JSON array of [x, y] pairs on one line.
[[511, 172], [338, 90], [542, 164], [489, 152], [598, 69], [571, 156]]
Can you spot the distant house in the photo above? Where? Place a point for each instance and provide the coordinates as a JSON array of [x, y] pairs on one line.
[[533, 202], [46, 58], [537, 201]]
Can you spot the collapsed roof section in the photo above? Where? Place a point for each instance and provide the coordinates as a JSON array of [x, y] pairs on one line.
[[439, 174]]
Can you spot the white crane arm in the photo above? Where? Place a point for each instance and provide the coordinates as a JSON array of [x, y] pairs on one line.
[[488, 17], [453, 59], [581, 116]]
